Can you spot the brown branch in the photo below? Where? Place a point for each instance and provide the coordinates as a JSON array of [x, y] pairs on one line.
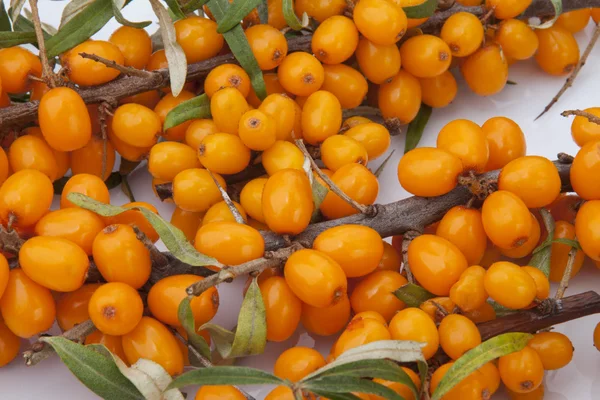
[[47, 73], [564, 282], [575, 72], [392, 124], [129, 71], [580, 113], [407, 238]]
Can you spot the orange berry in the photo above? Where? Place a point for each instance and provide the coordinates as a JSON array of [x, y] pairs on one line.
[[194, 190], [596, 15], [574, 21], [414, 324], [458, 334], [374, 137], [433, 307], [428, 171], [326, 321], [469, 292], [530, 244], [9, 345], [375, 292], [438, 91], [282, 309], [379, 63], [425, 56], [370, 15], [475, 386], [136, 125], [517, 39], [587, 228], [31, 152], [560, 252], [521, 371], [198, 38], [147, 99], [287, 202], [335, 40], [465, 140], [86, 72], [283, 392], [390, 261], [227, 107], [251, 198], [509, 285], [321, 9], [229, 242], [483, 314], [115, 308], [166, 104], [506, 219], [198, 130], [187, 221], [506, 141], [463, 227], [340, 150], [554, 348], [542, 284], [283, 110], [486, 70], [135, 218], [89, 185], [167, 159], [463, 32], [16, 64], [297, 362], [346, 84], [597, 336], [585, 166], [584, 131], [227, 76], [224, 153], [26, 195], [369, 315], [88, 159], [301, 74], [268, 45], [127, 151], [400, 97], [558, 51], [360, 332], [210, 392], [4, 166], [4, 271], [400, 388], [273, 86], [221, 212], [321, 117], [505, 9], [257, 130], [534, 179], [72, 308], [134, 44]]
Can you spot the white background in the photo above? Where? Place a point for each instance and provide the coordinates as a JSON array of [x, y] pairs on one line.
[[522, 102]]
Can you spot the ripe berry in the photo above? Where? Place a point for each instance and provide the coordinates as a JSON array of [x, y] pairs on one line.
[[198, 130], [438, 91], [282, 309], [135, 45], [283, 111], [287, 202], [16, 64], [506, 141], [574, 21], [297, 362], [213, 392], [229, 242], [530, 244], [257, 130], [506, 219], [475, 386], [195, 191], [466, 140], [166, 104], [30, 152], [9, 345], [224, 76], [517, 39], [187, 221], [227, 107], [167, 159], [370, 15], [558, 51], [251, 198], [198, 38], [504, 9], [522, 371], [469, 292], [379, 63], [301, 74], [360, 332], [587, 228], [375, 292], [86, 72], [72, 308], [221, 212], [136, 125], [27, 196], [428, 172], [340, 150], [335, 40], [560, 252], [346, 84], [320, 10], [486, 70], [321, 117], [585, 167], [326, 321], [463, 32], [88, 159], [268, 45], [464, 228], [400, 97], [414, 324], [509, 285]]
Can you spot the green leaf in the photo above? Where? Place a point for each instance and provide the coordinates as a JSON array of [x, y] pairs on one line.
[[413, 295], [236, 39], [80, 27], [222, 338], [499, 309], [291, 18], [9, 39], [263, 12], [416, 128], [569, 242], [4, 20], [423, 10], [235, 13], [379, 170], [198, 107], [319, 192], [113, 180], [487, 351], [542, 254], [187, 321], [193, 6], [97, 372], [73, 8], [15, 8], [23, 24], [171, 236], [558, 8], [225, 376], [175, 9], [117, 7], [347, 384]]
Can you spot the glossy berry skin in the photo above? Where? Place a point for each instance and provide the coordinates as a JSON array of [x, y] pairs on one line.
[[198, 38], [529, 245], [400, 388], [227, 75], [463, 227], [335, 40], [300, 74], [315, 278], [127, 151], [283, 110], [558, 51], [475, 386], [585, 167], [166, 104], [375, 293], [560, 252], [297, 362], [88, 159], [433, 307], [135, 45], [64, 119], [340, 150], [370, 15], [72, 308], [506, 141], [586, 228], [574, 21], [221, 212], [425, 56], [9, 345], [379, 63], [465, 140], [273, 86], [268, 45], [534, 179], [187, 221], [198, 130], [506, 219], [486, 70], [16, 64], [195, 191], [458, 334], [257, 130], [356, 248], [115, 308], [166, 295], [374, 137], [505, 9], [135, 218], [27, 195], [27, 308], [167, 159], [517, 39], [282, 308], [463, 32], [554, 348], [358, 183], [321, 117], [214, 392], [321, 9], [218, 239], [347, 84], [597, 336], [30, 152], [4, 166], [469, 292], [521, 371], [584, 131], [227, 107], [439, 91], [415, 324], [251, 198], [287, 202], [136, 125], [224, 153], [326, 321], [360, 332], [509, 285], [121, 257], [86, 72], [400, 97], [428, 171], [282, 392], [151, 340], [390, 261], [4, 272]]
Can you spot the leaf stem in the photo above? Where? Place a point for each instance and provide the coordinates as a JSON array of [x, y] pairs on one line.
[[591, 117], [129, 71]]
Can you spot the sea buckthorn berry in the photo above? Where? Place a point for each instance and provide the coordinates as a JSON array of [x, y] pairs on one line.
[[474, 387], [326, 321], [136, 125], [483, 314], [458, 334], [187, 221], [88, 159], [414, 324], [398, 387], [492, 376], [346, 84], [227, 76], [560, 252], [509, 285], [463, 32], [463, 227], [521, 371], [375, 292], [597, 336], [465, 140], [585, 131], [506, 141], [227, 107], [506, 219], [358, 183], [4, 271], [534, 179], [27, 195], [297, 362], [486, 70], [287, 202], [565, 207], [574, 21], [212, 392], [151, 340], [340, 150], [436, 263], [400, 97], [282, 309], [370, 315], [320, 10], [257, 130], [438, 91], [135, 218], [63, 158], [433, 307], [587, 228], [158, 60], [379, 63], [27, 308], [167, 159], [469, 292], [425, 56], [596, 15], [282, 392], [526, 248], [87, 72], [554, 348], [315, 278], [321, 117], [558, 51], [542, 284], [505, 9], [428, 171], [370, 15], [301, 74], [251, 198], [166, 104], [282, 109], [198, 130], [390, 261], [16, 65], [356, 248], [134, 44], [219, 239], [273, 86], [221, 212], [374, 137], [9, 345], [72, 308], [335, 40], [360, 332], [224, 153], [89, 185], [198, 38], [268, 45], [585, 168], [64, 119], [121, 257], [127, 151], [4, 166], [166, 294], [54, 262], [30, 152], [115, 308], [194, 189], [517, 39]]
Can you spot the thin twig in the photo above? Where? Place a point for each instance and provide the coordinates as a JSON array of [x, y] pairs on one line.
[[129, 71], [104, 110], [564, 282], [579, 113], [407, 238], [236, 213], [159, 260], [575, 72], [47, 73]]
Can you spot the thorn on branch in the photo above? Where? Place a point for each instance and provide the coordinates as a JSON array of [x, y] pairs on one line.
[[580, 113], [130, 71]]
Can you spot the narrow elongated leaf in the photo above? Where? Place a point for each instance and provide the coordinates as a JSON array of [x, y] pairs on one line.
[[291, 18], [97, 372], [473, 359], [186, 317], [222, 338], [416, 128], [73, 8], [251, 332], [263, 12], [422, 10], [175, 9], [10, 39], [193, 5], [347, 384], [543, 253], [22, 24], [236, 39], [15, 8], [413, 295], [336, 396], [198, 107], [225, 376], [117, 7], [174, 52], [558, 8], [4, 20], [160, 377], [499, 309], [172, 237], [235, 13], [319, 191]]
